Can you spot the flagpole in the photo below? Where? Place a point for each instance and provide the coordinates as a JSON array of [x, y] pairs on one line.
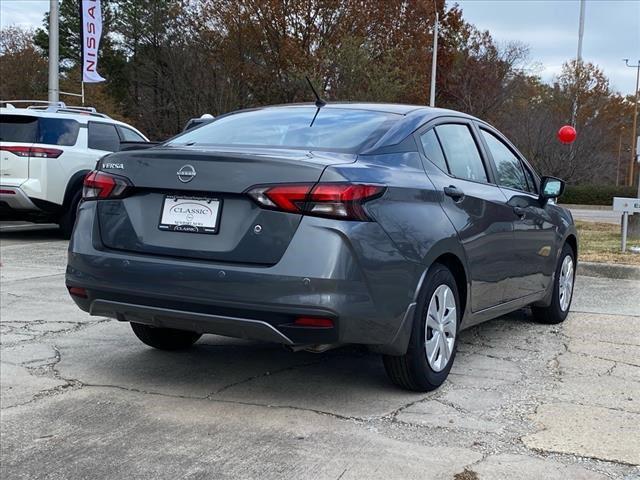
[[81, 50]]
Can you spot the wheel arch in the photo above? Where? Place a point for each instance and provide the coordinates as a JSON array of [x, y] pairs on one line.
[[572, 241], [450, 254], [73, 185], [456, 267]]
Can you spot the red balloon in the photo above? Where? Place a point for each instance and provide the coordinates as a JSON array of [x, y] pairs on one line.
[[567, 134]]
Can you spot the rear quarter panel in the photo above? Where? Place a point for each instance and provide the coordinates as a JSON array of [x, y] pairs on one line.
[[409, 212], [49, 177]]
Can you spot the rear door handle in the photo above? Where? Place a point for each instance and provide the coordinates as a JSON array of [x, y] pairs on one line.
[[454, 192], [520, 212]]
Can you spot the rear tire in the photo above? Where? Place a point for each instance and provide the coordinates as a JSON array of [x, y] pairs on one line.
[[428, 360], [68, 218], [563, 284], [164, 338]]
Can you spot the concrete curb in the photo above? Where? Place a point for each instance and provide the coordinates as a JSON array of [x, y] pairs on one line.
[[609, 270]]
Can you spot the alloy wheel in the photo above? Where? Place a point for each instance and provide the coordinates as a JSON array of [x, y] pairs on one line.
[[441, 326], [565, 283]]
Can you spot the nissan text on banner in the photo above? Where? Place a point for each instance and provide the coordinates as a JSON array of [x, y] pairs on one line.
[[91, 21]]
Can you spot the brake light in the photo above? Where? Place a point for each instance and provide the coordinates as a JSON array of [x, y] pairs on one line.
[[39, 152], [334, 200], [99, 185]]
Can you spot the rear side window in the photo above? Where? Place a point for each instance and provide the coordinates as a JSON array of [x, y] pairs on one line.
[[18, 128], [49, 131], [461, 152], [103, 136], [432, 149], [509, 167], [56, 131], [128, 135]]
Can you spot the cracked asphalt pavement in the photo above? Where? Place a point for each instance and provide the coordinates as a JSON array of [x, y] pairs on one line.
[[81, 397]]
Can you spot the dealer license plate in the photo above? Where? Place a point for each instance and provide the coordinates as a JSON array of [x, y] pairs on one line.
[[190, 214]]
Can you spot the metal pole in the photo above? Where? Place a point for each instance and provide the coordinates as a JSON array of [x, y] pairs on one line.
[[82, 91], [618, 165], [574, 111], [625, 225], [581, 29], [434, 63], [54, 90], [634, 130]]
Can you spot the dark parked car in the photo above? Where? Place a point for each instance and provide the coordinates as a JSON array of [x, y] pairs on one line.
[[197, 122], [391, 226]]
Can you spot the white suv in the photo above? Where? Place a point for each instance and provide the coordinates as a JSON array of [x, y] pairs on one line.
[[45, 153]]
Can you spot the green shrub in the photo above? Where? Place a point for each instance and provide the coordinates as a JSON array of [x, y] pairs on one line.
[[595, 194]]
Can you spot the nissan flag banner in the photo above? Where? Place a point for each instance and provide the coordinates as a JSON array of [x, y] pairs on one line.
[[91, 20]]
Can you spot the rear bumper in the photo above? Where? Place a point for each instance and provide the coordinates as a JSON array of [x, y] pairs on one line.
[[192, 321], [14, 198], [366, 287]]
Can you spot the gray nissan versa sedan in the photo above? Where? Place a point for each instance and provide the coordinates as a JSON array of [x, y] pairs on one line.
[[391, 226]]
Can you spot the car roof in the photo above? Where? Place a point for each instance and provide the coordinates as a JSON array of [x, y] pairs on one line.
[[78, 115], [396, 108], [81, 117]]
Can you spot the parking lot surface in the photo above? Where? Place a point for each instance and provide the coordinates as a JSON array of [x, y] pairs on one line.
[[81, 397], [602, 215]]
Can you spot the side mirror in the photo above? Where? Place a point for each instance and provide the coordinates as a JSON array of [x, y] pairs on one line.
[[550, 187]]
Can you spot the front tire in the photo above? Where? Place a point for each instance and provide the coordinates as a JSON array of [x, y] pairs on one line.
[[563, 283], [434, 338], [164, 338]]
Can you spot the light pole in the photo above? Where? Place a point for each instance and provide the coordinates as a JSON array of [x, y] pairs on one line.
[[54, 90], [574, 110], [634, 130], [434, 63], [634, 220]]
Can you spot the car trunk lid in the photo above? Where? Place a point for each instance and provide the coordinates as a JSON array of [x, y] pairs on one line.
[[198, 178]]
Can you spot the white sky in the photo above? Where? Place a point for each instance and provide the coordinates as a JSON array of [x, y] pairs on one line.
[[548, 27]]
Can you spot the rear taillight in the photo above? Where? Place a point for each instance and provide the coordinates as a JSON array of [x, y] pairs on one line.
[[98, 185], [39, 152], [334, 200]]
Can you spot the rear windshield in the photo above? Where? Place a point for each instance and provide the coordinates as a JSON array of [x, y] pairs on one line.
[[332, 129], [50, 131]]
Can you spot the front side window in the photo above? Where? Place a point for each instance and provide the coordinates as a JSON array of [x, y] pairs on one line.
[[129, 135], [530, 180], [103, 136], [461, 152], [509, 167], [339, 129]]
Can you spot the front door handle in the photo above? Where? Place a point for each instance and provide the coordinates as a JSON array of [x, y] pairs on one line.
[[454, 192], [520, 212]]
